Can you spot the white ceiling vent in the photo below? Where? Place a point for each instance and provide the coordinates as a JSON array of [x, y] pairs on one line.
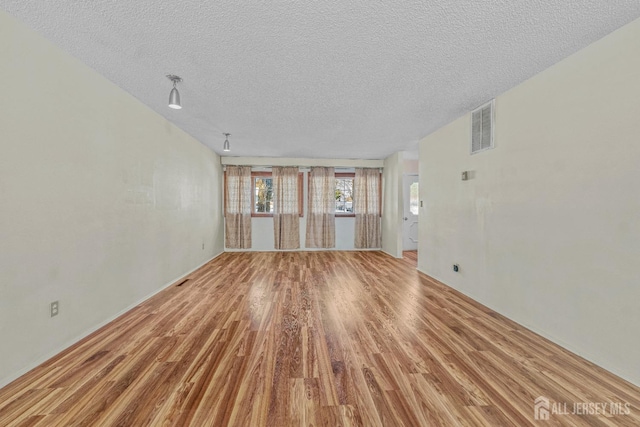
[[482, 127]]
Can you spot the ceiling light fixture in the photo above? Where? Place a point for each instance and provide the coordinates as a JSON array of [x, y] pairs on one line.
[[226, 147], [174, 96]]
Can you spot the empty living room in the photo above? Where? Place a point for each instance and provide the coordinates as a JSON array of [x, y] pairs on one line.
[[402, 213]]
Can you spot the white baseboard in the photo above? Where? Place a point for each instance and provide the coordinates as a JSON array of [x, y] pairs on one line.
[[14, 376], [391, 255], [550, 336]]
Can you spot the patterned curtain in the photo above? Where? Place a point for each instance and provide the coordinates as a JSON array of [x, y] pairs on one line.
[[366, 205], [238, 199], [286, 220], [321, 219]]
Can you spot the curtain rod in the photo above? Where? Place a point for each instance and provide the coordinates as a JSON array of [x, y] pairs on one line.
[[300, 162]]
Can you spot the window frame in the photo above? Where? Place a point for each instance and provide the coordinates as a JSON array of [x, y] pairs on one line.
[[351, 175], [259, 174], [255, 174]]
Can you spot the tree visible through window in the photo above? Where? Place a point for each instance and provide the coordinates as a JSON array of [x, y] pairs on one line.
[[263, 187], [344, 195], [264, 196]]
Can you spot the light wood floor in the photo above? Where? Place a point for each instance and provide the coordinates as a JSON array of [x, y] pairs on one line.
[[311, 338], [411, 257]]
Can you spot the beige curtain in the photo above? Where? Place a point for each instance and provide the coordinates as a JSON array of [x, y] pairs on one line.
[[286, 221], [321, 218], [366, 206], [238, 198]]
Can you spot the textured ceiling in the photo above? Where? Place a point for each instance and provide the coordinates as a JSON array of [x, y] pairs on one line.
[[326, 78]]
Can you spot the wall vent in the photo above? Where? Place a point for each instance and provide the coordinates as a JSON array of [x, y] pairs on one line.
[[482, 124]]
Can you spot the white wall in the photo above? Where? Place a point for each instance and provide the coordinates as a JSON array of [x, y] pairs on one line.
[[262, 235], [547, 231], [411, 166], [102, 201], [392, 205]]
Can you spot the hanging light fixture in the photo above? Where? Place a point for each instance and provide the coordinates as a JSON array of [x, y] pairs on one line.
[[226, 146], [174, 96]]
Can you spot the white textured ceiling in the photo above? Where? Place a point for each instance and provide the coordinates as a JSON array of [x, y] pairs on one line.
[[326, 78]]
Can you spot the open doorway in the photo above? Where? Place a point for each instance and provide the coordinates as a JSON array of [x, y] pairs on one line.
[[410, 216]]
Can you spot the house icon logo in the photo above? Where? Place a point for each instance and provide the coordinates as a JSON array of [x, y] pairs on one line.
[[541, 408]]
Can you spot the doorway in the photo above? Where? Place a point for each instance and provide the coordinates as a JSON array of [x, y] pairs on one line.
[[411, 208]]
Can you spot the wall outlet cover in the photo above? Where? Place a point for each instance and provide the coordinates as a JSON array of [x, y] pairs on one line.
[[54, 308]]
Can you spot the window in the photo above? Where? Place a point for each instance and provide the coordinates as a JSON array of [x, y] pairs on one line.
[[344, 194], [263, 196], [413, 198]]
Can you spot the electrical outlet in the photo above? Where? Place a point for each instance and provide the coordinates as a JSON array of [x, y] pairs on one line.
[[54, 308]]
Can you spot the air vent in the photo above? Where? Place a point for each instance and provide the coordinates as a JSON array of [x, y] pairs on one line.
[[482, 128]]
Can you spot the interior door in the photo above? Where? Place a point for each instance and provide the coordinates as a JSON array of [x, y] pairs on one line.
[[411, 207]]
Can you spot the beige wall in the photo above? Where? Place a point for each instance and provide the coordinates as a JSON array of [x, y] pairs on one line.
[[547, 231], [102, 201], [392, 209], [411, 166]]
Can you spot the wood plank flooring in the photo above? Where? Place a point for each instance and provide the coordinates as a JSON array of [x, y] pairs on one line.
[[312, 339], [411, 257]]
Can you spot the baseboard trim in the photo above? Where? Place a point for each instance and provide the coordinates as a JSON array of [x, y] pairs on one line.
[[544, 334], [391, 255], [9, 379]]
